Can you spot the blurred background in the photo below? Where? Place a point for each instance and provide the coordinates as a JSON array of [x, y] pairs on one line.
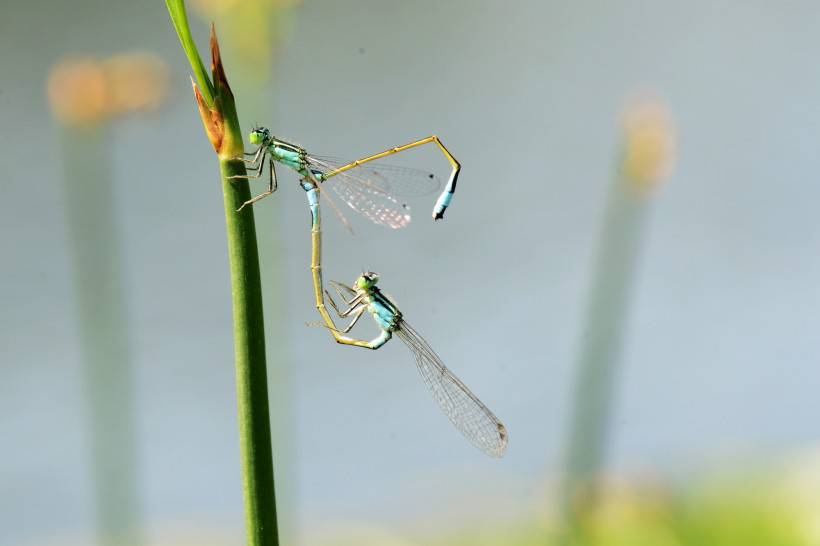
[[626, 276]]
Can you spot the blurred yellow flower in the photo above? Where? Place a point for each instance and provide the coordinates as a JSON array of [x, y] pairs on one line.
[[217, 7], [649, 153], [252, 31], [86, 91], [630, 513], [136, 82], [77, 92], [800, 492]]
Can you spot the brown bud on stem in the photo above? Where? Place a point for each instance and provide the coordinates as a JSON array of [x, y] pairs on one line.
[[227, 141]]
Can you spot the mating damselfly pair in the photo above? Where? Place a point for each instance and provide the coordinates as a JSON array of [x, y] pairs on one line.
[[371, 189]]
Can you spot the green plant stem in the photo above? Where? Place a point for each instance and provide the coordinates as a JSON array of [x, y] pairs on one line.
[[251, 374], [221, 124], [251, 75], [102, 324], [603, 332]]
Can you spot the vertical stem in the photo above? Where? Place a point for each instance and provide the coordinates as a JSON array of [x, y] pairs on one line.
[[222, 127], [253, 59], [647, 159], [95, 246], [251, 375], [606, 317]]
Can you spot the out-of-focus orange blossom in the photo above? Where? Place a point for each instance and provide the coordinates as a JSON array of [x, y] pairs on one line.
[[649, 154], [87, 91]]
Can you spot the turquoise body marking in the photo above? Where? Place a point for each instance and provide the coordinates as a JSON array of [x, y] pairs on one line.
[[442, 203], [385, 316], [289, 158], [446, 196], [313, 200]]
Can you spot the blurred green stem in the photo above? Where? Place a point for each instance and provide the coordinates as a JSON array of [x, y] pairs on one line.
[[222, 127], [95, 248], [603, 332]]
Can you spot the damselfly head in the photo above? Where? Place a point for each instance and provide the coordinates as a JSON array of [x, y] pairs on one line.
[[367, 281], [259, 135]]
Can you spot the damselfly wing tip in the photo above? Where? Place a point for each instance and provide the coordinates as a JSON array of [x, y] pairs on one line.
[[502, 436]]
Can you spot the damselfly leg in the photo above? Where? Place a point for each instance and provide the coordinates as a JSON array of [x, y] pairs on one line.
[[351, 292], [273, 185], [255, 155], [358, 311], [353, 305]]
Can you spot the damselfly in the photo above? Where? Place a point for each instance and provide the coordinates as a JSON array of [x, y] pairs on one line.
[[368, 188], [470, 416]]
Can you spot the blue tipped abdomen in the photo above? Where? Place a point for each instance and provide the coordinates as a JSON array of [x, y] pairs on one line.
[[441, 205]]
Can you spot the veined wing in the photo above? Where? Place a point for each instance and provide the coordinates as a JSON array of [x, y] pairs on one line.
[[462, 407], [393, 179], [341, 217], [365, 196]]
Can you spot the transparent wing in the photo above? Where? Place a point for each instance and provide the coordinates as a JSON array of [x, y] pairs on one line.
[[462, 407], [393, 179], [365, 196], [339, 216]]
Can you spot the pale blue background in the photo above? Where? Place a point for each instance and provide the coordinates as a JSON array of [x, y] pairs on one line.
[[721, 356]]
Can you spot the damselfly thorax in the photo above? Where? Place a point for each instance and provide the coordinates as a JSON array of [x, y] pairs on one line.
[[384, 311]]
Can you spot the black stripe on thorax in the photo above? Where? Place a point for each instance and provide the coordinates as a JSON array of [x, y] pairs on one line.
[[288, 146], [377, 295]]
